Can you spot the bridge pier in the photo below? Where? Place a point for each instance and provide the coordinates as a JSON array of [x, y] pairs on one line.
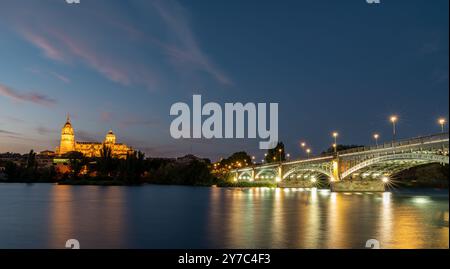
[[357, 186]]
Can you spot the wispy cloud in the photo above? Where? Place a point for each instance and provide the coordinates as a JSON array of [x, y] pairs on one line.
[[110, 43], [186, 51], [60, 77], [48, 47], [32, 97], [137, 121], [8, 132], [54, 74], [42, 130]]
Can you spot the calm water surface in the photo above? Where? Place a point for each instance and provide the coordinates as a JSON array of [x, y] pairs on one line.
[[46, 215]]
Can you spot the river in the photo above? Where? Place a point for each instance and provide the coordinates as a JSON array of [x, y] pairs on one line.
[[153, 216]]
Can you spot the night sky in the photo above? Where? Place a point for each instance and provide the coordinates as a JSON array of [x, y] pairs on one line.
[[331, 65]]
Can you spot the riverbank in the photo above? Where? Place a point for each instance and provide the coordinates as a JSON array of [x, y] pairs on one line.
[[223, 184], [121, 183]]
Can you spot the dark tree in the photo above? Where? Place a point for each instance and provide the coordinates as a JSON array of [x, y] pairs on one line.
[[276, 154], [238, 157], [76, 162]]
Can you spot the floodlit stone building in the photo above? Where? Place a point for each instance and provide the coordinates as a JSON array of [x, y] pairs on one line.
[[89, 149]]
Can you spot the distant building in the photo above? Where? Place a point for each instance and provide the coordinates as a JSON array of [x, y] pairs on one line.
[[89, 149], [190, 158], [47, 153]]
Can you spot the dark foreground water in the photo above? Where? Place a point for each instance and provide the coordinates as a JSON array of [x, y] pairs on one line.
[[46, 215]]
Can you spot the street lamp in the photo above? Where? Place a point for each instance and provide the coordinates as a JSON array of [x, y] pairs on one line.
[[376, 136], [288, 156], [394, 121], [308, 151], [335, 135], [442, 123], [302, 145], [280, 150]]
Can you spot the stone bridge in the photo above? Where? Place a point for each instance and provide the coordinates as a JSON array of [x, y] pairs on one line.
[[358, 169]]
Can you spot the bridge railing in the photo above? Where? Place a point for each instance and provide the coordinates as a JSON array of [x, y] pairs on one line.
[[403, 142]]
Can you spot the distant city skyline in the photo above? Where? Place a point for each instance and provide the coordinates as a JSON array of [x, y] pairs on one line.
[[343, 66]]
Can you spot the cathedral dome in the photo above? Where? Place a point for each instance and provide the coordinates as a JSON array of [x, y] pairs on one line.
[[110, 137]]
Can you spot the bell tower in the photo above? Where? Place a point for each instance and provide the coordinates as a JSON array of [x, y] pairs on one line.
[[67, 143]]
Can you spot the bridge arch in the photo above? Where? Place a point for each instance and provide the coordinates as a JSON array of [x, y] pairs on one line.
[[271, 171], [425, 158], [315, 169], [248, 174]]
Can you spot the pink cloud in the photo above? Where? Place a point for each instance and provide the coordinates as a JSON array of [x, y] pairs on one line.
[[32, 97], [44, 44], [62, 40]]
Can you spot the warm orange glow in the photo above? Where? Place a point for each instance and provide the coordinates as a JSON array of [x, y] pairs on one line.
[[68, 143], [393, 119]]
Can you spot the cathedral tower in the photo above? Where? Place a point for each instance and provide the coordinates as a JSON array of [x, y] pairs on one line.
[[67, 143]]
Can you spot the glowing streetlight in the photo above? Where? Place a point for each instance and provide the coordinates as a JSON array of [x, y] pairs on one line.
[[394, 120], [280, 150], [335, 135], [376, 136], [442, 122], [288, 156], [308, 151]]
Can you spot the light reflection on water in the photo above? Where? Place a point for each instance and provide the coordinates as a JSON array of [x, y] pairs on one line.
[[45, 216]]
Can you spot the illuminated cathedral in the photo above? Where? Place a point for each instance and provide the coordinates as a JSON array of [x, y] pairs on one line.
[[90, 149]]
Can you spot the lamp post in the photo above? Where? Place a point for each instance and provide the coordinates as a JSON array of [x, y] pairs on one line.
[[335, 135], [288, 156], [442, 123], [376, 136], [308, 151], [280, 150], [394, 131], [302, 145]]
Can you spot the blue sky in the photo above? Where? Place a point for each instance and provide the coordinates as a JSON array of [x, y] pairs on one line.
[[331, 65]]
